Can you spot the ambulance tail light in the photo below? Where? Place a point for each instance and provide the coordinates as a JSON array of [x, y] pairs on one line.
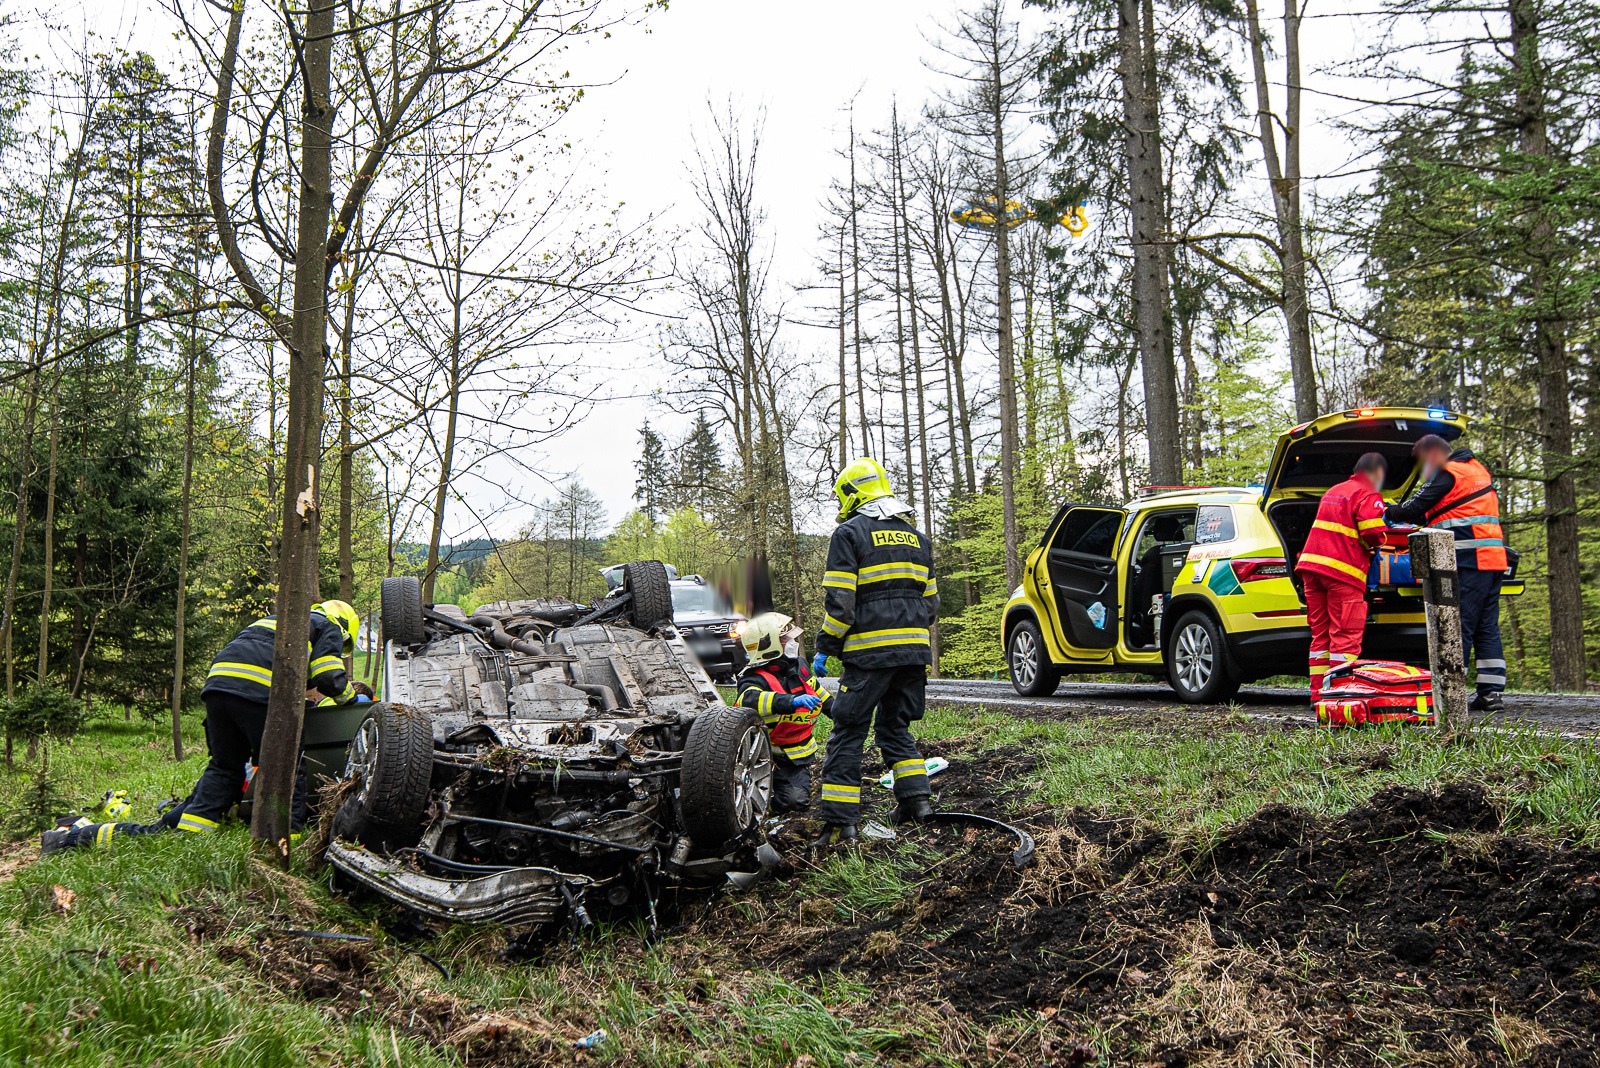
[[1261, 567]]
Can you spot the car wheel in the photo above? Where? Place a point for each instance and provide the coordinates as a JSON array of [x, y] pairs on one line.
[[389, 765], [652, 593], [1197, 665], [726, 783], [1032, 673], [400, 600]]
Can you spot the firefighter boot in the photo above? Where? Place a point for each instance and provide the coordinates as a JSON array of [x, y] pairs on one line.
[[913, 810], [54, 840], [1487, 701], [835, 836]]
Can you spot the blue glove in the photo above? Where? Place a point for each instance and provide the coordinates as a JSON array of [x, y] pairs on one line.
[[819, 664], [807, 701], [362, 699]]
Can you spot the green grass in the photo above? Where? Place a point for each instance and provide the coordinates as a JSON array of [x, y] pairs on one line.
[[117, 977], [1201, 774]]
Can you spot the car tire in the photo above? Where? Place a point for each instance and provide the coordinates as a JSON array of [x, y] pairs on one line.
[[1197, 662], [1032, 673], [400, 600], [725, 787], [391, 759], [647, 581]]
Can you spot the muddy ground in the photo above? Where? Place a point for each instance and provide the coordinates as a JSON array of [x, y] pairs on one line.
[[1405, 931]]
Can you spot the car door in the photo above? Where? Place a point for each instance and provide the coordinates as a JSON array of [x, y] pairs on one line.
[[1078, 571]]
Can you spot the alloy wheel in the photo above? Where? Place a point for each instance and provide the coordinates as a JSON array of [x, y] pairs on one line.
[[1024, 657], [1195, 659], [752, 778], [362, 755]]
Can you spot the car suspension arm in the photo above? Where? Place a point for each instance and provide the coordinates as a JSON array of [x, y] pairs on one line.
[[549, 831]]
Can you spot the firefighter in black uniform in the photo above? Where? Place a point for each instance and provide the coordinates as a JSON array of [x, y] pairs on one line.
[[881, 598], [235, 697], [785, 695]]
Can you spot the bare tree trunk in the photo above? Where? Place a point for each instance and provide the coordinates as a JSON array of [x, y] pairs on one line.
[[900, 336], [347, 499], [1151, 292], [1192, 416], [1553, 367], [903, 210], [456, 288], [47, 586], [855, 299], [185, 518], [297, 589], [1283, 176], [1005, 342], [844, 384], [961, 416]]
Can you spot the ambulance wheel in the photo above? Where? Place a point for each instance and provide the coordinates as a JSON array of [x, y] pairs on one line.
[[1197, 664], [1032, 673]]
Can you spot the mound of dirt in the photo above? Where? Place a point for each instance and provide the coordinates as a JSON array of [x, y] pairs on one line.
[[1405, 928]]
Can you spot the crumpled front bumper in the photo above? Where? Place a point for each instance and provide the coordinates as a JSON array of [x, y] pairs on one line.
[[512, 897]]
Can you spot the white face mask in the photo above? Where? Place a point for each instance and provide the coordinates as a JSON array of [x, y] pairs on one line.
[[791, 648]]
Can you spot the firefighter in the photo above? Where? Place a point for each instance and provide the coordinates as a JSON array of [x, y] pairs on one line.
[[1457, 494], [1334, 563], [784, 693], [880, 597], [235, 697]]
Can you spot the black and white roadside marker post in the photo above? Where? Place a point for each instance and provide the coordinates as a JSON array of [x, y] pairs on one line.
[[1433, 563]]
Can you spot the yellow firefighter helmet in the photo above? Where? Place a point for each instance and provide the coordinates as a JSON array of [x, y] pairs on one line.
[[861, 481], [348, 618]]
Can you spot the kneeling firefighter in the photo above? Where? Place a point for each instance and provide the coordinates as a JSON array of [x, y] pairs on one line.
[[881, 599], [235, 696], [784, 693]]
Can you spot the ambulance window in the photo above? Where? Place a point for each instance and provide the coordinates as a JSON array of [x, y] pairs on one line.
[[1090, 531], [1214, 524]]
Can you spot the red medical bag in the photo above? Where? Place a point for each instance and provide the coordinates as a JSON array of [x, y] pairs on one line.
[[1375, 691]]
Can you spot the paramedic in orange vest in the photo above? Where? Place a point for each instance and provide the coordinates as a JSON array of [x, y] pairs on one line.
[[1334, 563], [787, 698], [1457, 494]]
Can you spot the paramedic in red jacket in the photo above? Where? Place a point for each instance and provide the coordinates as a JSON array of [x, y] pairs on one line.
[[1333, 566]]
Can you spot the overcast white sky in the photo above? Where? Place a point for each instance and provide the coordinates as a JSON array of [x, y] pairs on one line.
[[805, 64]]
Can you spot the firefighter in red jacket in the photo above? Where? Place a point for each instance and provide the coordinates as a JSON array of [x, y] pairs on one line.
[[786, 696], [1334, 563], [1457, 494]]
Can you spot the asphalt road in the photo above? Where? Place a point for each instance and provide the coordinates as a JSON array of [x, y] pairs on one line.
[[1576, 715]]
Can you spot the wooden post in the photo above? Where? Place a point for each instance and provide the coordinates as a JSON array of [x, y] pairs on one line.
[[1433, 563]]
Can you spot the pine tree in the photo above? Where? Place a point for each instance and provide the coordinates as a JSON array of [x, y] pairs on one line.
[[651, 475], [699, 483]]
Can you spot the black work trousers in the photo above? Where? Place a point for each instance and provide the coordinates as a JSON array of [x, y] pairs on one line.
[[233, 736], [886, 702]]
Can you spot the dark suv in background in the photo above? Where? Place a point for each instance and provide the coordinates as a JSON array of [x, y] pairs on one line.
[[705, 618], [710, 626]]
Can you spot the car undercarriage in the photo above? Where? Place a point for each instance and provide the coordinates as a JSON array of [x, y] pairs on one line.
[[540, 756]]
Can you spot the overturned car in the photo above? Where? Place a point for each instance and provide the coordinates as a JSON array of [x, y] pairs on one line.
[[539, 756]]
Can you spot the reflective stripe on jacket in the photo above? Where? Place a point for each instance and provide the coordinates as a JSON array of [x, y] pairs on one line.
[[880, 594], [1349, 525], [1471, 511], [771, 689], [244, 667]]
